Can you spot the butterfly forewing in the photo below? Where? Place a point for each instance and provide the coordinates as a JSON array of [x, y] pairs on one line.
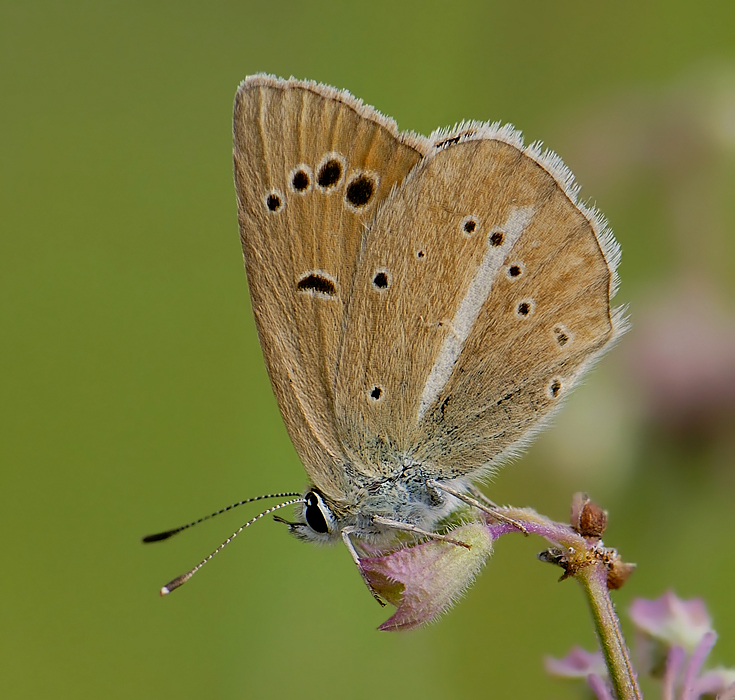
[[497, 295], [311, 166]]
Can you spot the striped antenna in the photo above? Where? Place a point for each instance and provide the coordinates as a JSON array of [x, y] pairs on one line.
[[168, 533], [180, 580]]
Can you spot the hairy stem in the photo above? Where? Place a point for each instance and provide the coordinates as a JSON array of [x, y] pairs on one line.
[[617, 657]]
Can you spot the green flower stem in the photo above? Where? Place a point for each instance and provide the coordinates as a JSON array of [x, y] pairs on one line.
[[590, 565], [617, 657]]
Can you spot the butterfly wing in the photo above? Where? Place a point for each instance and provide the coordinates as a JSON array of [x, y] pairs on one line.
[[482, 293], [311, 164]]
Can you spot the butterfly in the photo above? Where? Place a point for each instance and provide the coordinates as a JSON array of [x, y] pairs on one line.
[[424, 304]]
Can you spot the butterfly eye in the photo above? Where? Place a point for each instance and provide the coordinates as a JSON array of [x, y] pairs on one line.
[[316, 513]]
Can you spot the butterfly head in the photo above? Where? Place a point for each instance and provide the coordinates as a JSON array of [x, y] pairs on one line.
[[319, 522], [406, 499]]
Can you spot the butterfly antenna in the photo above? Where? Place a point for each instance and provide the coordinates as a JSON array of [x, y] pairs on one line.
[[180, 580], [168, 533]]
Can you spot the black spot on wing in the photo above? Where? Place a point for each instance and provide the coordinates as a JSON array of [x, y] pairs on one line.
[[317, 284]]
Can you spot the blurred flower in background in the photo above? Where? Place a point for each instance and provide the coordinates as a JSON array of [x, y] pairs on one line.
[[667, 158], [673, 640], [683, 363]]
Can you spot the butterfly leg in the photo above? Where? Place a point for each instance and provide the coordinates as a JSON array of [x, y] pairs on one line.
[[407, 527], [490, 510], [346, 532], [480, 496]]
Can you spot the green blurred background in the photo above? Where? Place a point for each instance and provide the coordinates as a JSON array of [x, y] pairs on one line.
[[134, 397]]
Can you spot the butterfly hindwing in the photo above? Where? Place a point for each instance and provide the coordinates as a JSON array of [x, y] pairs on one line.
[[482, 293]]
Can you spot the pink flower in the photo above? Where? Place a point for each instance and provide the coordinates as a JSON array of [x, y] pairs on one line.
[[719, 682], [424, 580], [578, 663], [683, 360], [677, 637], [671, 620]]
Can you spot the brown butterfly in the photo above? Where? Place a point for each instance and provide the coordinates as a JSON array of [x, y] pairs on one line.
[[423, 304]]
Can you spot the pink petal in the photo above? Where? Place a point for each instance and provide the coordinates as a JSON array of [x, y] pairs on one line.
[[424, 580], [672, 620], [578, 663]]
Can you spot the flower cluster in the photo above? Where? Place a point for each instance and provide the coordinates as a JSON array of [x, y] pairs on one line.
[[424, 580], [674, 638]]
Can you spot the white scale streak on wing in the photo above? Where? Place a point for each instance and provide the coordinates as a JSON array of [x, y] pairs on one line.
[[469, 309]]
